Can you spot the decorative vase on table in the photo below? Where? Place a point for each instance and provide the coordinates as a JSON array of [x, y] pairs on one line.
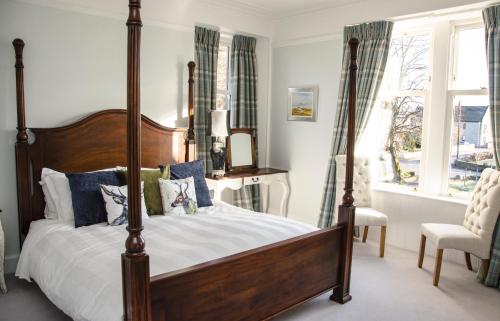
[[218, 151]]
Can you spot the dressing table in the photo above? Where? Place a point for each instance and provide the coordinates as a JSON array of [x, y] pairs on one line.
[[266, 176], [241, 170]]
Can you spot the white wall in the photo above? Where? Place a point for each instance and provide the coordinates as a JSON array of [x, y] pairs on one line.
[[75, 64], [174, 14], [304, 147]]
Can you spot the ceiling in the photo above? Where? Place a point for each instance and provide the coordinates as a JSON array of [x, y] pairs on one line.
[[283, 8]]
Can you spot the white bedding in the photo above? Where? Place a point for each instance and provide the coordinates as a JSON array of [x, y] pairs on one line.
[[79, 270]]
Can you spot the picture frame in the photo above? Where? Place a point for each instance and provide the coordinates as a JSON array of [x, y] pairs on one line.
[[303, 103]]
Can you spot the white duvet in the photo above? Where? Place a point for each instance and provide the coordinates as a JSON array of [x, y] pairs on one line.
[[79, 270]]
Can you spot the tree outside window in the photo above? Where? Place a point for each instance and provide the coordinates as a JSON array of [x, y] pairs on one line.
[[406, 82]]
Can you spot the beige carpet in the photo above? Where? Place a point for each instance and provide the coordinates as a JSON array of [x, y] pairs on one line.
[[383, 290]]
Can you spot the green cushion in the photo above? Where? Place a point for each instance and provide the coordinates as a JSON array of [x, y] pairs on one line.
[[152, 194]]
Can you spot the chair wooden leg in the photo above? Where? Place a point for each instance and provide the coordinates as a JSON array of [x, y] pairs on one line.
[[485, 264], [467, 261], [437, 266], [383, 231], [365, 234], [421, 253]]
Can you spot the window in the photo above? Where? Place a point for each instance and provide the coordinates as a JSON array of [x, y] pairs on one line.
[[405, 86], [471, 142], [469, 65], [471, 138], [223, 77], [436, 134]]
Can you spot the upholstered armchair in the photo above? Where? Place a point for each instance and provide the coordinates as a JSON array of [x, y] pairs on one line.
[[365, 215], [474, 236]]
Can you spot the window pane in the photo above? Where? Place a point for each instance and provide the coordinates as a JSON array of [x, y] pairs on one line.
[[221, 100], [402, 98], [222, 68], [408, 64], [404, 142], [470, 64], [471, 143]]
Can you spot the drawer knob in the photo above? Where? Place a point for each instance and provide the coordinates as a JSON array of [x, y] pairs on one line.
[[255, 179]]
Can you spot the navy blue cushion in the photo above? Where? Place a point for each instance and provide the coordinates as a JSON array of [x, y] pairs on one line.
[[197, 170], [88, 203]]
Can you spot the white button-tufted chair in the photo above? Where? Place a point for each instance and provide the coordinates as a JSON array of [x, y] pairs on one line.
[[474, 236], [365, 215]]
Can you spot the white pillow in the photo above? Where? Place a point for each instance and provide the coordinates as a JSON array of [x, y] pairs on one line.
[[59, 192], [115, 199], [50, 210], [178, 196], [124, 168], [59, 205]]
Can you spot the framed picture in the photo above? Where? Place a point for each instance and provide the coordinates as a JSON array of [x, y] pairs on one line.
[[303, 103]]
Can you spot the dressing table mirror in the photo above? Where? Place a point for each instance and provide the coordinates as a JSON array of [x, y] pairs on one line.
[[241, 150]]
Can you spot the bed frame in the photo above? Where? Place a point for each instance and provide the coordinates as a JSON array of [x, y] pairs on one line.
[[252, 285]]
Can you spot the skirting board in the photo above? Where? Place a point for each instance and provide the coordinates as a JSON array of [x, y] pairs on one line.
[[11, 263]]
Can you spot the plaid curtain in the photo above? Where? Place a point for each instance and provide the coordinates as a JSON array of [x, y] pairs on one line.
[[3, 287], [244, 105], [491, 17], [374, 40], [206, 50]]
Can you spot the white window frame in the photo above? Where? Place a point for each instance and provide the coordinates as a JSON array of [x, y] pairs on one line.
[[438, 101], [451, 93], [457, 27], [417, 31]]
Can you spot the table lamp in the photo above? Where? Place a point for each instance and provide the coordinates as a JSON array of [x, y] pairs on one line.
[[218, 151]]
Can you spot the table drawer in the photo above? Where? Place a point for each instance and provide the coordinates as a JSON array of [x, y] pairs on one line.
[[252, 180]]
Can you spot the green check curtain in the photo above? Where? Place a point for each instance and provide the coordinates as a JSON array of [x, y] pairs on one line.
[[206, 50], [374, 40], [491, 17], [244, 105]]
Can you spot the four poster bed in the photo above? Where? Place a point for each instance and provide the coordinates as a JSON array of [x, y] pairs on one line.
[[255, 284]]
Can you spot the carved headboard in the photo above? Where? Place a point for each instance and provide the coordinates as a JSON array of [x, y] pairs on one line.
[[95, 142]]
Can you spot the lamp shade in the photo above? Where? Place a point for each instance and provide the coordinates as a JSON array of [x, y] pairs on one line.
[[219, 123]]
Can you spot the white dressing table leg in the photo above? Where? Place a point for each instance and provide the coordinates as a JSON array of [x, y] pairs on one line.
[[283, 180]]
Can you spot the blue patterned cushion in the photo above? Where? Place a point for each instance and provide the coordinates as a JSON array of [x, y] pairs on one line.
[[197, 170], [88, 203]]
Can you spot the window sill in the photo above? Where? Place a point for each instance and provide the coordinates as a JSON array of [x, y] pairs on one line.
[[409, 191]]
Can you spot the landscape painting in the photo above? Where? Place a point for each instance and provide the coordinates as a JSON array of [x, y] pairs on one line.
[[302, 103]]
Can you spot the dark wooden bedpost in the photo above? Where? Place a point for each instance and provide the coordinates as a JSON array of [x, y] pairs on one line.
[[190, 143], [346, 210], [135, 261], [22, 157]]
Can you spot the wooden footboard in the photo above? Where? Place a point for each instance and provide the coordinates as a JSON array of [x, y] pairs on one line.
[[252, 285]]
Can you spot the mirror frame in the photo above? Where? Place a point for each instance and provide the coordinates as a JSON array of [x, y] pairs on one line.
[[229, 166]]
